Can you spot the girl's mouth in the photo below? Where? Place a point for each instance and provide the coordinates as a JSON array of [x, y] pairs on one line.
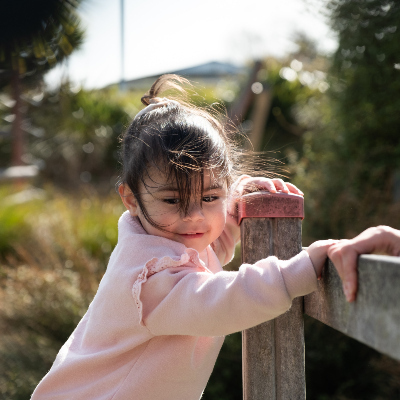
[[192, 235]]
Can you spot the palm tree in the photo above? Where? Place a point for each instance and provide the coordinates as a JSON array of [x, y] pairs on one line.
[[34, 37]]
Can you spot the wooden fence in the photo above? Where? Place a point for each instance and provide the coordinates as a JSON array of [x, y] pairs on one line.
[[273, 352]]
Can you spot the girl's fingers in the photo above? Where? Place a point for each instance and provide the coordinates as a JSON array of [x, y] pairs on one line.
[[271, 185], [344, 257], [294, 189], [350, 275], [280, 185], [286, 187], [267, 184], [255, 184]]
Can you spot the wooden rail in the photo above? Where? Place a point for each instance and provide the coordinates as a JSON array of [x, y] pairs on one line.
[[273, 352], [374, 319]]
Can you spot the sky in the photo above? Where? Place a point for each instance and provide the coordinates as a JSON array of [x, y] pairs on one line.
[[162, 36]]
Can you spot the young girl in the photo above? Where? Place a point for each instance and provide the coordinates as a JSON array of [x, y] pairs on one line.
[[155, 327]]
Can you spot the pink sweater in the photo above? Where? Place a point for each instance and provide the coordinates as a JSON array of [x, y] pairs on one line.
[[157, 323]]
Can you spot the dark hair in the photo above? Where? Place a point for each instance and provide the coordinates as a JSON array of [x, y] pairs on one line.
[[179, 139]]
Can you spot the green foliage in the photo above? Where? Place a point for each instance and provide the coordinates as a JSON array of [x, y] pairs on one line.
[[367, 65], [350, 160], [282, 131], [48, 277], [290, 89], [25, 360], [79, 133], [13, 224], [74, 133], [35, 37]]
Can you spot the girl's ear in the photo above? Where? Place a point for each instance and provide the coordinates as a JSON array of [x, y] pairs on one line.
[[129, 200]]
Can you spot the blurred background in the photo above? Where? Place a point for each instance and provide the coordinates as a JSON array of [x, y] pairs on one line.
[[313, 83]]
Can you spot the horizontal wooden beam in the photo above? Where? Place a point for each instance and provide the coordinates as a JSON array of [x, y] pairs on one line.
[[374, 318]]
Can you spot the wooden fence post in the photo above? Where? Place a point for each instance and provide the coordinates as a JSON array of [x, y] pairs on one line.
[[273, 352]]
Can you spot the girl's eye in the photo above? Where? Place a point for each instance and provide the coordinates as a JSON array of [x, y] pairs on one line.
[[171, 201], [209, 199]]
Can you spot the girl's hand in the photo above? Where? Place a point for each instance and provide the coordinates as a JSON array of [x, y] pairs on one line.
[[247, 184], [253, 184], [318, 253], [344, 254]]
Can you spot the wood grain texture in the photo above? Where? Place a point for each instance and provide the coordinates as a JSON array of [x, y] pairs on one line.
[[374, 318], [273, 352]]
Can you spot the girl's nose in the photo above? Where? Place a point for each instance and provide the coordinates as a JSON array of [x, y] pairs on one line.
[[195, 213]]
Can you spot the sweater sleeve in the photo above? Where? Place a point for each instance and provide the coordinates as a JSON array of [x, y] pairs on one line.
[[190, 301]]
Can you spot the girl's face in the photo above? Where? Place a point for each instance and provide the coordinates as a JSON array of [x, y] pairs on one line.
[[206, 216]]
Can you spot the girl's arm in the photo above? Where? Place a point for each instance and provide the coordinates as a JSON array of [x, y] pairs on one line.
[[224, 246], [192, 301]]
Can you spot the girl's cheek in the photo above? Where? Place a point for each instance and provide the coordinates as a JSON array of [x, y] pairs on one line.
[[225, 204], [219, 210], [163, 211]]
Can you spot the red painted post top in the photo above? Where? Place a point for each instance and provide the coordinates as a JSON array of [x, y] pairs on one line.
[[270, 205]]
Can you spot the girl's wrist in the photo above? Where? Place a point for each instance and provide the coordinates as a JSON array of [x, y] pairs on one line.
[[318, 253]]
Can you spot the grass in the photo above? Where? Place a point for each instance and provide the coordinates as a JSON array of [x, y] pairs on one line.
[[54, 249]]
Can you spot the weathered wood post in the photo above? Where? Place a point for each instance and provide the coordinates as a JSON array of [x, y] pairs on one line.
[[273, 352]]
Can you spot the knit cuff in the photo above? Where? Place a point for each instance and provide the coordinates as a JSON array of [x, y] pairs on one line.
[[299, 275]]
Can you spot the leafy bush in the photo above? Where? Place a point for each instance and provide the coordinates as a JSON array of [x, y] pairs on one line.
[[48, 277], [78, 135]]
